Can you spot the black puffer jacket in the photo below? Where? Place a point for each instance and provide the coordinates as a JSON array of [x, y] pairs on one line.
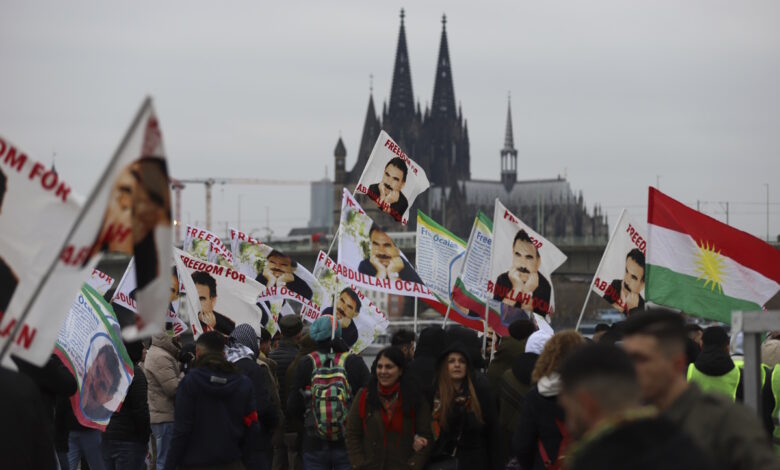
[[538, 422], [423, 367], [131, 422], [267, 412], [284, 355], [472, 440]]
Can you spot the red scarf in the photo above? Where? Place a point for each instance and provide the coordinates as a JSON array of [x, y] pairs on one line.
[[392, 416]]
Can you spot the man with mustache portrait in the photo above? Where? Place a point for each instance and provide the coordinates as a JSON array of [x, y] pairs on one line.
[[523, 286], [279, 270], [347, 308], [625, 294], [387, 193], [385, 261]]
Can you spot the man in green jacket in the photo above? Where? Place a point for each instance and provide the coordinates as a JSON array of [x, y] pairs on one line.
[[728, 432]]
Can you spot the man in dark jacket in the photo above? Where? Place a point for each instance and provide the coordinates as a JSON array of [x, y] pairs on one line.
[[317, 452], [514, 385], [242, 351], [730, 433], [125, 438], [291, 327], [510, 347], [215, 419], [601, 398]]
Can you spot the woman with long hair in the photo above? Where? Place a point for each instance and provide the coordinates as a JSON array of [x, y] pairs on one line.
[[463, 414], [389, 422], [540, 438]]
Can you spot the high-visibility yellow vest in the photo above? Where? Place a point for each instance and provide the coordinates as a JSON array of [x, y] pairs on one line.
[[724, 384], [776, 411]]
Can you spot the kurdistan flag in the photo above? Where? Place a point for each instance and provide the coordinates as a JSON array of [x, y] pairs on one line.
[[705, 267]]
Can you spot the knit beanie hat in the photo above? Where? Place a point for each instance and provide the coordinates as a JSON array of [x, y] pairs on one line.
[[322, 328]]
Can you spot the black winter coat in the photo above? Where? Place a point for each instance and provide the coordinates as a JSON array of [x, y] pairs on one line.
[[284, 355], [212, 417], [537, 422], [267, 412], [131, 422]]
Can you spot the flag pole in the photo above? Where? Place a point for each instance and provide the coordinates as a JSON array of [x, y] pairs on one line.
[[415, 317], [484, 330], [598, 268], [446, 315]]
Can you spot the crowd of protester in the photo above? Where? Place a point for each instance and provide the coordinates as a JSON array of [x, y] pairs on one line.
[[649, 392]]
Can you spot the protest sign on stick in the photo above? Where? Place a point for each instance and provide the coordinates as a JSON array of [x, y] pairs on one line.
[[361, 320], [369, 258], [392, 179]]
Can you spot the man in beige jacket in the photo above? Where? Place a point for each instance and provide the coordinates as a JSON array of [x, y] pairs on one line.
[[163, 375]]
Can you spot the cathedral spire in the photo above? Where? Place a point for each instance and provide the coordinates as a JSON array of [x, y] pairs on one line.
[[509, 140], [401, 96], [371, 128], [443, 91], [509, 153]]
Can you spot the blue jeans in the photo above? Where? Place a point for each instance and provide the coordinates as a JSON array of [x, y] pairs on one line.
[[123, 455], [333, 458], [85, 443], [163, 432]]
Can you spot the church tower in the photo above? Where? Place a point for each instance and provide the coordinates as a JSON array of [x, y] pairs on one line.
[[508, 153]]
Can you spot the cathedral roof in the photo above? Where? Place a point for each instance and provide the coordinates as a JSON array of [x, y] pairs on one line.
[[523, 193]]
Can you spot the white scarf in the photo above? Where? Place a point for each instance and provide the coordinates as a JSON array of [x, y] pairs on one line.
[[549, 385]]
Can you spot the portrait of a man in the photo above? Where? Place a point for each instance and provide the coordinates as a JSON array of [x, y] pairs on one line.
[[279, 270], [8, 278], [385, 260], [625, 294], [387, 193], [523, 286], [101, 381], [347, 309], [210, 320]]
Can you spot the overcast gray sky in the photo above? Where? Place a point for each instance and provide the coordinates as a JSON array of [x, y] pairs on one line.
[[612, 93]]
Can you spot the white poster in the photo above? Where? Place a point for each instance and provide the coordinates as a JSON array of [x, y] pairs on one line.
[[369, 258], [521, 268], [33, 200], [620, 279], [207, 246], [392, 179], [124, 295], [90, 346], [361, 320], [129, 212], [217, 297], [283, 277], [440, 256]]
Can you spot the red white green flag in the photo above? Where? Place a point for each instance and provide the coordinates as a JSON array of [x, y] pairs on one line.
[[705, 267]]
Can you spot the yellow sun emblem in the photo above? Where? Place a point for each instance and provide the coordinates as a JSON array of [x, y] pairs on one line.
[[710, 266]]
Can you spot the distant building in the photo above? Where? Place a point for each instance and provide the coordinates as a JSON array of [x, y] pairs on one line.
[[437, 139], [321, 205]]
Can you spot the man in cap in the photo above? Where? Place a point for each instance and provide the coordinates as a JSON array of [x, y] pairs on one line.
[[291, 328]]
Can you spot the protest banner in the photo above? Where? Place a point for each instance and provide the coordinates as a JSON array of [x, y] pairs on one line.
[[361, 320], [469, 294], [33, 198], [521, 265], [124, 295], [440, 257], [391, 179], [620, 276], [128, 212], [207, 246], [282, 277], [369, 258], [90, 346], [217, 297]]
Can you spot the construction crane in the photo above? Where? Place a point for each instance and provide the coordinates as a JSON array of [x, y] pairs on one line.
[[178, 184]]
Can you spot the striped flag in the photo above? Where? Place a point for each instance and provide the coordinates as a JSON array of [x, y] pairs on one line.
[[704, 267]]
